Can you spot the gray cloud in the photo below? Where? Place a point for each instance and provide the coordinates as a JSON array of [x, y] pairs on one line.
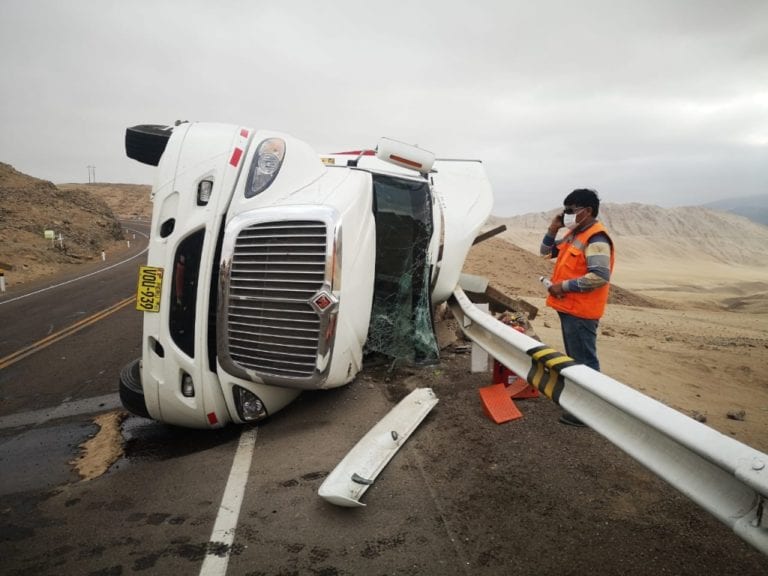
[[655, 102]]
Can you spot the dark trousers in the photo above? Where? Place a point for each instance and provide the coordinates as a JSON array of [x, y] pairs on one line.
[[580, 339]]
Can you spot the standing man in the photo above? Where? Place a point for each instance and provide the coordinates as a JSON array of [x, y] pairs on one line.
[[580, 280]]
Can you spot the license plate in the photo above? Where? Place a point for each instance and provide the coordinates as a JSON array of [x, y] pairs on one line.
[[149, 288]]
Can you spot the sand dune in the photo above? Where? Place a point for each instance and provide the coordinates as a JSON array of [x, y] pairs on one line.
[[674, 253]]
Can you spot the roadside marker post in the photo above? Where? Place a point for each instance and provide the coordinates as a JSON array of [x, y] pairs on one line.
[[2, 280]]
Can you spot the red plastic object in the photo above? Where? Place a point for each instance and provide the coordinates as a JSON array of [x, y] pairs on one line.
[[516, 387], [497, 404]]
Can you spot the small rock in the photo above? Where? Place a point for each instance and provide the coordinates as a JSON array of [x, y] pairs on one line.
[[698, 416], [736, 415]]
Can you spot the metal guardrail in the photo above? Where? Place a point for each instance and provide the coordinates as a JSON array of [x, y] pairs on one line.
[[725, 477]]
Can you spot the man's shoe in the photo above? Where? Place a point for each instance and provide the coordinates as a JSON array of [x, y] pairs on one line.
[[571, 420]]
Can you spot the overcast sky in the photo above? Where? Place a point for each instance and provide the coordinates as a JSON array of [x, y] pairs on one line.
[[661, 102]]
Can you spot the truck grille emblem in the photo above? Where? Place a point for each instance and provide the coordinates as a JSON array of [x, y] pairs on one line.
[[322, 301]]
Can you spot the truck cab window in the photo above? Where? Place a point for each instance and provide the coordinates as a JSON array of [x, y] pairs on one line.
[[401, 317]]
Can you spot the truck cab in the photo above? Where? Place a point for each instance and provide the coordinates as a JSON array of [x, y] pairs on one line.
[[274, 269]]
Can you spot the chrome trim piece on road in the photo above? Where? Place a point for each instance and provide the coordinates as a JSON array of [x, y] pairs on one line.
[[347, 483]]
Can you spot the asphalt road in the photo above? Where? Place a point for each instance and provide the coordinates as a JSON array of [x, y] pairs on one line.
[[464, 496], [64, 339]]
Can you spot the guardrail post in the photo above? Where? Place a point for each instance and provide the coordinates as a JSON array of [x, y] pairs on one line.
[[479, 357]]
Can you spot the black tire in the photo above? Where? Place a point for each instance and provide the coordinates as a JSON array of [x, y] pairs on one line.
[[131, 390], [146, 142]]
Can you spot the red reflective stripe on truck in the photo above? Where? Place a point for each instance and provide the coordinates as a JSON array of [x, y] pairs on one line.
[[244, 133], [212, 420], [236, 155], [402, 160]]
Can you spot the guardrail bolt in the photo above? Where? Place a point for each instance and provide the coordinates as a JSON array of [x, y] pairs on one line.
[[757, 464]]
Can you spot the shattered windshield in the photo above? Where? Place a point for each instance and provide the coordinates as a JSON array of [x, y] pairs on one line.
[[401, 317]]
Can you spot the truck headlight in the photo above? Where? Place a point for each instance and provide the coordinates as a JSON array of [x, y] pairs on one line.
[[265, 166], [249, 406]]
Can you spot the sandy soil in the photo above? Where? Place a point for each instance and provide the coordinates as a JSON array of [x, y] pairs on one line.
[[103, 449], [700, 349]]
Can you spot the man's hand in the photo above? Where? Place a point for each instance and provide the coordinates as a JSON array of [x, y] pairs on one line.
[[557, 290], [556, 224]]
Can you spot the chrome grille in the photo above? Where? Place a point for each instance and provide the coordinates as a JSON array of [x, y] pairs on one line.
[[277, 267]]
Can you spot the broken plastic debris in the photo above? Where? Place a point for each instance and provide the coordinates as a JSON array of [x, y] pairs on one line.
[[346, 484]]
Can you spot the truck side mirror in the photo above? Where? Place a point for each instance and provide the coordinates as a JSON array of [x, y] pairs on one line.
[[146, 142]]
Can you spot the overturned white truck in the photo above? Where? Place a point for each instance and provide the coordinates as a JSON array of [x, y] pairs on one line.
[[273, 269]]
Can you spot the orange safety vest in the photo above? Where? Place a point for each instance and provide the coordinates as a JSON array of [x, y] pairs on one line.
[[571, 263]]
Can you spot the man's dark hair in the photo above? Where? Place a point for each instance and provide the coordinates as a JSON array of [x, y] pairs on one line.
[[585, 198]]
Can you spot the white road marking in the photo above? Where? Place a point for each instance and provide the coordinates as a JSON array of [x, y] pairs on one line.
[[223, 535], [78, 278]]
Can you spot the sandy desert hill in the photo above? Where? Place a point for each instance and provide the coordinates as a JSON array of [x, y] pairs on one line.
[[754, 207], [83, 226], [665, 252], [127, 201], [680, 233]]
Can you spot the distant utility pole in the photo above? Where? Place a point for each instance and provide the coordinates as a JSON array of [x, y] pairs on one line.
[[91, 174]]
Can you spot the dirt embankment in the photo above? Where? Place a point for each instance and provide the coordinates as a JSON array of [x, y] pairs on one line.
[[81, 219], [127, 201]]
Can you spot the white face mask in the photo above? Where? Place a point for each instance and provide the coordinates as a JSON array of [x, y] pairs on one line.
[[569, 221]]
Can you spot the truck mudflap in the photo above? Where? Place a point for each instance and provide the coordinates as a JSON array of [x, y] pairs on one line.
[[347, 483]]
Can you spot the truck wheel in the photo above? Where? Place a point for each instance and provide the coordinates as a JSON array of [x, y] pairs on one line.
[[146, 142], [131, 390]]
